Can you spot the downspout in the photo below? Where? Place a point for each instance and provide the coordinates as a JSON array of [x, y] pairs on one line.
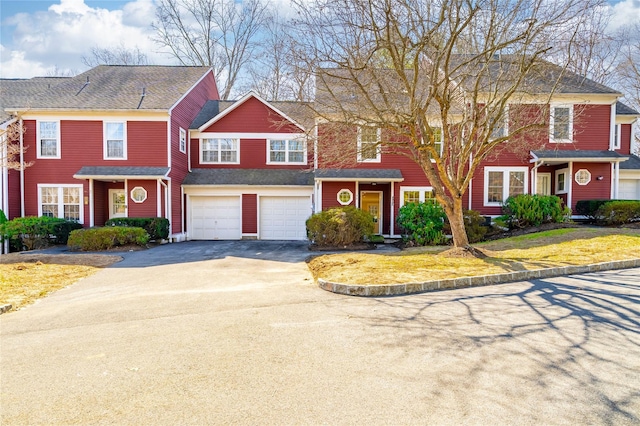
[[22, 209], [166, 205], [182, 217], [158, 199], [4, 179]]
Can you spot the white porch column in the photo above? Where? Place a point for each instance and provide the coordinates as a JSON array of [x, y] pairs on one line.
[[570, 193], [22, 213], [159, 199], [392, 216], [126, 198], [616, 180], [91, 206], [357, 194]]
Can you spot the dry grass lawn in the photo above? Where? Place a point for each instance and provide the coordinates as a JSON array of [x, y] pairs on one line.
[[560, 247], [27, 277]]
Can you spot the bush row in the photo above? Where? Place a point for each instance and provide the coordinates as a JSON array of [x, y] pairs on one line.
[[96, 239], [528, 210], [32, 232], [339, 227], [610, 212], [156, 227]]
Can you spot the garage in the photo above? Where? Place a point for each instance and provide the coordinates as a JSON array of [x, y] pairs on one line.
[[215, 218], [629, 189], [283, 218]]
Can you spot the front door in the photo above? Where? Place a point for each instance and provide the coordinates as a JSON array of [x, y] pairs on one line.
[[371, 201], [543, 184], [117, 203]]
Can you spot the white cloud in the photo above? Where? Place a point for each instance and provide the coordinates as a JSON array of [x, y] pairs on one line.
[[60, 36], [625, 12]]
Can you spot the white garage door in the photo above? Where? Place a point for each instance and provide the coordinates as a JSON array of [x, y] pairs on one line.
[[283, 218], [215, 218], [629, 189]]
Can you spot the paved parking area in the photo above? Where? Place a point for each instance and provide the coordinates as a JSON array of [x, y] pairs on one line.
[[237, 333]]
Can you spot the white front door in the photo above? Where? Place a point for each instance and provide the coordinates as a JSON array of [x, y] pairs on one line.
[[117, 203], [543, 184]]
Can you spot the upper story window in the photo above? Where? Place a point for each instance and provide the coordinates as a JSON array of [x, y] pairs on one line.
[[561, 124], [500, 125], [437, 140], [48, 139], [115, 141], [183, 140], [220, 151], [369, 144], [290, 151], [616, 136], [501, 183]]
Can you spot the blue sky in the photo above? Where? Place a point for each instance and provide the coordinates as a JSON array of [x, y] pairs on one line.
[[40, 36]]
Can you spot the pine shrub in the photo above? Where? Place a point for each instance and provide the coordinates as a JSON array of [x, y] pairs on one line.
[[422, 223], [526, 210], [340, 227]]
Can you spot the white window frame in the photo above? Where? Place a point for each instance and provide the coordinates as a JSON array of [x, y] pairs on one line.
[[105, 148], [378, 147], [567, 181], [421, 193], [138, 189], [576, 177], [617, 136], [182, 140], [552, 138], [39, 140], [61, 203], [505, 183], [344, 203], [287, 151], [237, 149]]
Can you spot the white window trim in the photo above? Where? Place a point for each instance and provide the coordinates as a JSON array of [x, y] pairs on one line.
[[567, 181], [505, 124], [138, 188], [575, 177], [39, 145], [378, 147], [505, 183], [124, 141], [420, 189], [287, 140], [552, 120], [182, 140], [343, 203], [617, 142], [219, 162], [61, 198]]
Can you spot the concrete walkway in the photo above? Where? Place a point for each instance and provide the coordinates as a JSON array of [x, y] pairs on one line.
[[238, 333]]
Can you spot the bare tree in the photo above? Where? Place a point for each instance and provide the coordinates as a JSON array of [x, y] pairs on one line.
[[10, 149], [56, 71], [629, 73], [222, 34], [115, 56], [440, 79]]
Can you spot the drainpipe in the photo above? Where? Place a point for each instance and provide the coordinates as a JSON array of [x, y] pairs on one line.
[[182, 217], [4, 187], [166, 204], [158, 199], [22, 209]]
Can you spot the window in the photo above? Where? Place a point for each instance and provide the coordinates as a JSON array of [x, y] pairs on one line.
[[562, 181], [368, 144], [221, 151], [48, 139], [583, 177], [183, 140], [138, 194], [416, 194], [616, 136], [561, 127], [345, 197], [115, 142], [437, 139], [501, 183], [500, 125], [64, 201], [286, 151]]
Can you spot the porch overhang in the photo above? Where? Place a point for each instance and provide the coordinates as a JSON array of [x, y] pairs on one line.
[[121, 173], [252, 177], [555, 157], [359, 175]]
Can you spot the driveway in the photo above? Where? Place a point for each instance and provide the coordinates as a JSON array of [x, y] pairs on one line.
[[237, 333]]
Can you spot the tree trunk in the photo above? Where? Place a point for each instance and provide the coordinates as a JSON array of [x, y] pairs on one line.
[[456, 220]]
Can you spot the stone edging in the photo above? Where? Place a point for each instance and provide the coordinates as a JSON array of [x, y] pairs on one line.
[[464, 282]]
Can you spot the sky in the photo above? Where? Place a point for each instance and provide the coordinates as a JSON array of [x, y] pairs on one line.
[[45, 37]]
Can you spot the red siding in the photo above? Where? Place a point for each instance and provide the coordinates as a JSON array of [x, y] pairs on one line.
[[14, 195], [596, 189], [146, 144], [330, 193], [254, 117], [591, 129], [253, 155], [625, 139], [149, 207], [249, 214]]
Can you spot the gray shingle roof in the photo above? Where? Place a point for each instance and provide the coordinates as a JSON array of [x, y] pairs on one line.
[[373, 174], [633, 163], [578, 154], [118, 87], [121, 171], [262, 177], [14, 92], [622, 109]]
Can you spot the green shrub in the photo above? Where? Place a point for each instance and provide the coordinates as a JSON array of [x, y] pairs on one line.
[[474, 224], [422, 223], [619, 212], [32, 232], [527, 210], [96, 239], [156, 227], [340, 226], [3, 217]]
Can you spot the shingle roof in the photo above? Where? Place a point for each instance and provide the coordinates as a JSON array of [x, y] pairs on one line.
[[633, 163], [262, 177], [14, 92], [118, 87], [373, 174], [121, 171], [622, 109]]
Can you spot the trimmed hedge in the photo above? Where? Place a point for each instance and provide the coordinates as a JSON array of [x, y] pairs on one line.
[[156, 227], [422, 223], [526, 210], [96, 239], [340, 227], [32, 232], [619, 212]]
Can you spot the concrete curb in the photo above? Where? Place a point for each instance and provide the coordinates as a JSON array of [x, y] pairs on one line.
[[5, 308], [465, 282]]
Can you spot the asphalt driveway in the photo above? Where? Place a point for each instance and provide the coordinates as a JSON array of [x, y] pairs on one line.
[[237, 333]]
